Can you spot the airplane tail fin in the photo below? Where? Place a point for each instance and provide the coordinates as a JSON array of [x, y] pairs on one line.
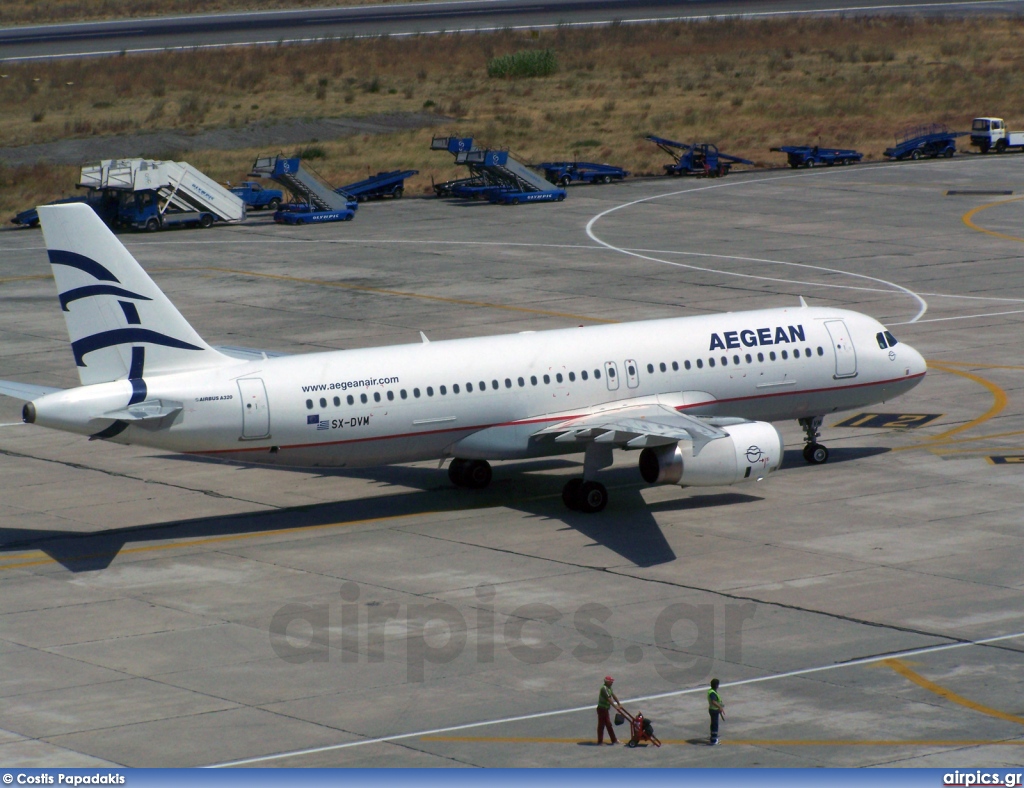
[[120, 323]]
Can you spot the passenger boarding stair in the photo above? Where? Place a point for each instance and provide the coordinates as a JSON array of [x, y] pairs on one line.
[[302, 181], [178, 183]]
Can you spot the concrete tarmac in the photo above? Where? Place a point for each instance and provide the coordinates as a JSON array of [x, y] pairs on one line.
[[161, 611]]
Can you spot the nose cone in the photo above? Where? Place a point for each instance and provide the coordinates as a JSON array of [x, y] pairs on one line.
[[916, 366]]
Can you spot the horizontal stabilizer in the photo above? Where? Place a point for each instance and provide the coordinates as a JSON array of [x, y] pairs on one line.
[[150, 410], [247, 353], [25, 391]]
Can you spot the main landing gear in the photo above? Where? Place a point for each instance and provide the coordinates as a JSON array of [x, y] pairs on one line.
[[814, 452], [584, 496], [475, 474]]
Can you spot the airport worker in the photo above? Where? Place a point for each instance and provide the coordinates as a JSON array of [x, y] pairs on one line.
[[605, 700], [716, 709]]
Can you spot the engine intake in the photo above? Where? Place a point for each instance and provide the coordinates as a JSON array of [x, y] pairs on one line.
[[752, 450]]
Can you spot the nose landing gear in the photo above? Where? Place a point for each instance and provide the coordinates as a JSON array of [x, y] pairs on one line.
[[814, 452]]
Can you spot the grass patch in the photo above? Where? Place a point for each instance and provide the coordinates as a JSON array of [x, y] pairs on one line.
[[524, 63]]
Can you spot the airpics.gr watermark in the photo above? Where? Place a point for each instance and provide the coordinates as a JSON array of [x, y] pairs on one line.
[[686, 636]]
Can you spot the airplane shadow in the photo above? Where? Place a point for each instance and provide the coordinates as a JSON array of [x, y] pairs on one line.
[[794, 458], [627, 527]]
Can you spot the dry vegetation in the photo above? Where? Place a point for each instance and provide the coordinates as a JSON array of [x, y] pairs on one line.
[[744, 85], [42, 12]]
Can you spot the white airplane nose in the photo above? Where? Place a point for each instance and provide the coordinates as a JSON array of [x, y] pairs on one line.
[[916, 365]]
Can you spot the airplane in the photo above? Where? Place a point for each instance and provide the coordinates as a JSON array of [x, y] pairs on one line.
[[695, 396]]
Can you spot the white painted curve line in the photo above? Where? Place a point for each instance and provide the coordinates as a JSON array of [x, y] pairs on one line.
[[577, 709], [923, 305]]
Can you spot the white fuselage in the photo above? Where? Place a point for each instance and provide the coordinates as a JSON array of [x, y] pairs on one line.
[[486, 397]]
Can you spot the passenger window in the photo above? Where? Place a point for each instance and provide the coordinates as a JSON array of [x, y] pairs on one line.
[[583, 374], [533, 380], [494, 385], [772, 355], [711, 362], [631, 370], [675, 366], [820, 351], [415, 393], [309, 404], [891, 338], [337, 402], [521, 382], [785, 355], [443, 390], [650, 368], [807, 352], [686, 364], [558, 377], [483, 386], [760, 357], [700, 364], [796, 353], [362, 398], [735, 359], [469, 388], [725, 361], [749, 359], [597, 373], [880, 339], [547, 378], [611, 372], [508, 383], [430, 391], [455, 388], [572, 377], [376, 396], [401, 394], [323, 403], [391, 396], [351, 400], [662, 367]]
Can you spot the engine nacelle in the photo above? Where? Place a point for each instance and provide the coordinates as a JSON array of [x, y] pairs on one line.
[[751, 451]]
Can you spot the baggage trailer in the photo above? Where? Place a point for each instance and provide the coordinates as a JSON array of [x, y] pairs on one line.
[[816, 156], [702, 159], [933, 140], [302, 213], [991, 134], [383, 184], [565, 172]]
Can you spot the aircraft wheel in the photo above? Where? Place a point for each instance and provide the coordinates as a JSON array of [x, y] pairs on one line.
[[477, 474], [593, 497], [815, 453], [571, 494]]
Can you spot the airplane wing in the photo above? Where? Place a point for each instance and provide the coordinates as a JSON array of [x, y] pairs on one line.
[[25, 391], [638, 426], [247, 353]]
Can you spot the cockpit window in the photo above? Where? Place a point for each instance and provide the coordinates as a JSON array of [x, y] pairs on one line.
[[891, 338], [880, 339]]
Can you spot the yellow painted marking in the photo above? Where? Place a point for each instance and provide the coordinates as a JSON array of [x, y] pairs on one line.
[[739, 742], [5, 279], [968, 219], [226, 538], [949, 695], [406, 294], [1000, 400], [980, 366]]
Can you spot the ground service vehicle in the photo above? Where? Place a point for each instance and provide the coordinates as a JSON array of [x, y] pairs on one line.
[[991, 134], [918, 142], [256, 196], [701, 158], [565, 172]]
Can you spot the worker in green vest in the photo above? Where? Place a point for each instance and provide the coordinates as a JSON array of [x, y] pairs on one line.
[[605, 700], [716, 709]]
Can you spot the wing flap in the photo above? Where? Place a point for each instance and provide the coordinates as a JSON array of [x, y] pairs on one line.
[[636, 426]]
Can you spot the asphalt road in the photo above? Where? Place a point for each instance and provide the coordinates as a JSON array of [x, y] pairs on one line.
[[135, 35]]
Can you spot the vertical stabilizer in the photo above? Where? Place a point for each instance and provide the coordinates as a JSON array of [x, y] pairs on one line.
[[120, 323]]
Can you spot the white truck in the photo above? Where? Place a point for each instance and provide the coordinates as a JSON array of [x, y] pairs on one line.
[[991, 134]]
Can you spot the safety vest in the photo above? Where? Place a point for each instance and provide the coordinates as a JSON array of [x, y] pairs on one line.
[[713, 696]]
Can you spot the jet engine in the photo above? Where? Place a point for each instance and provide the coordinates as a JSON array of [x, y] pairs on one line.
[[751, 450]]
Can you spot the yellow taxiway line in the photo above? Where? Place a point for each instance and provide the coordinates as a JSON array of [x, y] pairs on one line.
[[968, 219], [741, 742], [900, 667]]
